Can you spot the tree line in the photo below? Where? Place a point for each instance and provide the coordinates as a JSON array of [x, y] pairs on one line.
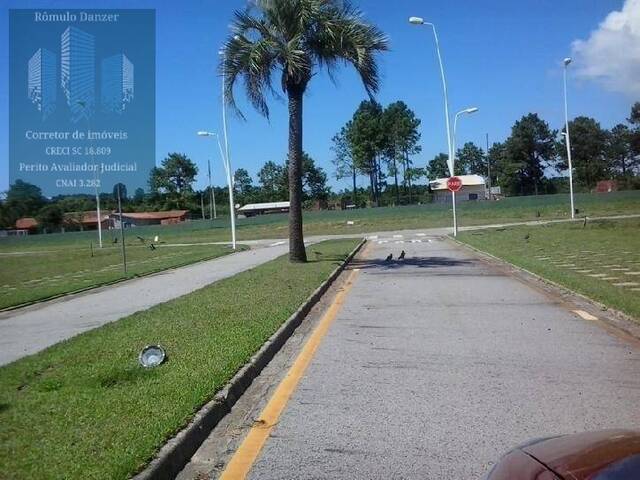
[[379, 143], [523, 164], [170, 187]]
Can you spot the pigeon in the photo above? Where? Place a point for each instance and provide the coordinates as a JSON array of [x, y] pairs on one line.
[[401, 257], [152, 246], [389, 257]]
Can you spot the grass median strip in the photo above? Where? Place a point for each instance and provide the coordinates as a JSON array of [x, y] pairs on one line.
[[36, 276], [602, 251], [85, 409]]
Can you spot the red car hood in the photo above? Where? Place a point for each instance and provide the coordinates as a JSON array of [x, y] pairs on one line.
[[602, 455]]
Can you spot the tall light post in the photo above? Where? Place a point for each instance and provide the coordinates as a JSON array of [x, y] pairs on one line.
[[450, 140], [566, 62], [420, 21], [212, 201], [227, 168], [466, 111], [226, 149], [83, 104]]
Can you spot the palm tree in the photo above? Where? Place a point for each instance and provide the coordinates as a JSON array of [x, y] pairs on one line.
[[296, 38]]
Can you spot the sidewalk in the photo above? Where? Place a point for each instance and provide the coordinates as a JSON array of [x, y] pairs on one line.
[[31, 329]]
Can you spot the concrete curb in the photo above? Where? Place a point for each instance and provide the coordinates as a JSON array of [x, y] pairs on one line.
[[177, 452], [615, 318]]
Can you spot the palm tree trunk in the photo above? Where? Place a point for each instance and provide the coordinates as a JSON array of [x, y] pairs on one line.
[[297, 252]]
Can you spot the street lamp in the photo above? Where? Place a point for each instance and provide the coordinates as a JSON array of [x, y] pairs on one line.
[[212, 201], [420, 21], [226, 147], [566, 62], [227, 169], [466, 111], [83, 104], [450, 141]]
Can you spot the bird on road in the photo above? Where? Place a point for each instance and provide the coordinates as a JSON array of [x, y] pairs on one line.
[[401, 257], [389, 257]]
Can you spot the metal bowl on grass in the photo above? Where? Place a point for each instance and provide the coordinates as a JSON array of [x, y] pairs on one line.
[[152, 356]]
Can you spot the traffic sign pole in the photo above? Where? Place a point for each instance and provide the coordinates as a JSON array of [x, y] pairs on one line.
[[455, 219], [454, 184]]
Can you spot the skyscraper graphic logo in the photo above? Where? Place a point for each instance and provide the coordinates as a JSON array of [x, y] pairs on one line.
[[42, 85], [78, 77], [77, 63], [116, 83]]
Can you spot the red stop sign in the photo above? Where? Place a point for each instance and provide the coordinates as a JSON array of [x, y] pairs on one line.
[[454, 184]]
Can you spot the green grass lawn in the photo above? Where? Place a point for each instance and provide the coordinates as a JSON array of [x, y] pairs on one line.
[[85, 409], [513, 209], [601, 260], [38, 275]]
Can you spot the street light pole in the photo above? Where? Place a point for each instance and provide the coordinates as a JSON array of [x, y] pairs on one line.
[[450, 146], [453, 160], [83, 104], [567, 61], [227, 168], [232, 210], [420, 21], [212, 201]]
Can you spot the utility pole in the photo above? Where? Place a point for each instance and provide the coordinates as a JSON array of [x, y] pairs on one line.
[[227, 157], [567, 61], [489, 166], [212, 202], [124, 253], [96, 180]]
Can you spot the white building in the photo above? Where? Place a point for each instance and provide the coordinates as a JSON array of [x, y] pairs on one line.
[[473, 188], [252, 209]]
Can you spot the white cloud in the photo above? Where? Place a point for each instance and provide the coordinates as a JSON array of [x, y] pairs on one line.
[[611, 55]]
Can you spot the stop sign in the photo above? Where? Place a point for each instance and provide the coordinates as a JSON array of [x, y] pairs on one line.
[[454, 184]]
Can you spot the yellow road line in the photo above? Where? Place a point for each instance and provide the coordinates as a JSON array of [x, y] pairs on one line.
[[250, 448], [585, 315]]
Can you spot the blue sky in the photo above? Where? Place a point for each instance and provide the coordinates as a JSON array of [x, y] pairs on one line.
[[502, 56]]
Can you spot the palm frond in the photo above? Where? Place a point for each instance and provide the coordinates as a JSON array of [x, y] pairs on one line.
[[344, 36], [297, 37]]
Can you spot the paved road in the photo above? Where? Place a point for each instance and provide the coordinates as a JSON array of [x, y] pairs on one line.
[[437, 365], [29, 330]]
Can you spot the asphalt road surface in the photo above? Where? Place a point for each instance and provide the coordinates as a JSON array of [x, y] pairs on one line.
[[438, 364]]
